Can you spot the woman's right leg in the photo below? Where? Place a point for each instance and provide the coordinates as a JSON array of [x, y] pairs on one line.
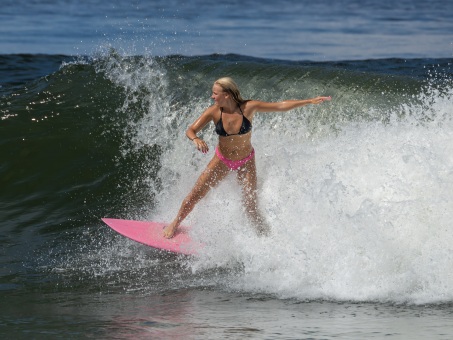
[[215, 172]]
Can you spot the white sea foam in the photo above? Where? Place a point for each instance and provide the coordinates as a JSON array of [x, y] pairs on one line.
[[363, 214], [361, 211]]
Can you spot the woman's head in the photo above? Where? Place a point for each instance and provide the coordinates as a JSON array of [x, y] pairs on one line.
[[228, 85]]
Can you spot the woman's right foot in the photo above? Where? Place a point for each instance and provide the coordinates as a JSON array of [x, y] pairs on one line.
[[169, 231]]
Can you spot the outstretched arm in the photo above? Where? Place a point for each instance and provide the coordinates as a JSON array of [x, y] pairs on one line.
[[286, 105]]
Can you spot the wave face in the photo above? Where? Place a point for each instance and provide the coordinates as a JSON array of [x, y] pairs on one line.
[[358, 191]]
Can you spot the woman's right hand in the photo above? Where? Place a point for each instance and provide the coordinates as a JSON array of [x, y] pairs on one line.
[[201, 145]]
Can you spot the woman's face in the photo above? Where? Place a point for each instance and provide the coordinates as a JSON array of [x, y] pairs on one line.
[[218, 95]]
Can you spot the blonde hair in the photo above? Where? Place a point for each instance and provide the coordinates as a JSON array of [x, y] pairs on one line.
[[228, 85]]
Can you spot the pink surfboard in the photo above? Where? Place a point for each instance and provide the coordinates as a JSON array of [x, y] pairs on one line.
[[150, 233]]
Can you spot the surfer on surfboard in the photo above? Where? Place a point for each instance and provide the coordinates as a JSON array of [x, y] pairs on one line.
[[232, 116]]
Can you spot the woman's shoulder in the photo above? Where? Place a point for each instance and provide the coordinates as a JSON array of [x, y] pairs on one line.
[[254, 106], [211, 113], [211, 110], [250, 105]]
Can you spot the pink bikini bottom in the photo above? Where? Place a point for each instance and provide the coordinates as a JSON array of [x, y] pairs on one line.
[[234, 165]]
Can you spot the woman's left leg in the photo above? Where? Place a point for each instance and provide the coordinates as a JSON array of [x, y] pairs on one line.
[[248, 181]]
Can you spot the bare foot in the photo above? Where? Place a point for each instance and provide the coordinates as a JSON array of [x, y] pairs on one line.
[[169, 231]]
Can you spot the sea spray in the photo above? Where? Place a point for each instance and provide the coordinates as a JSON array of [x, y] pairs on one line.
[[362, 214], [357, 190]]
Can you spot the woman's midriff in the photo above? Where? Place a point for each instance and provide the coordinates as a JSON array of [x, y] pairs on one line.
[[236, 147]]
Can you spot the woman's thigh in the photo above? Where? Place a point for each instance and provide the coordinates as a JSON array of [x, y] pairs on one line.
[[248, 180], [214, 173]]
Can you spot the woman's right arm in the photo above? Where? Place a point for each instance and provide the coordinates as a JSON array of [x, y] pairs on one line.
[[197, 126]]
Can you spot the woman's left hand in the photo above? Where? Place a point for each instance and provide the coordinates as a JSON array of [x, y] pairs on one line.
[[319, 100]]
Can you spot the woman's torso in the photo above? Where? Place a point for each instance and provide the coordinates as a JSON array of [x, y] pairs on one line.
[[234, 146]]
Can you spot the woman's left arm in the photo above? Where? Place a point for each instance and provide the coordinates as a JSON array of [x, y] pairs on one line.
[[286, 105]]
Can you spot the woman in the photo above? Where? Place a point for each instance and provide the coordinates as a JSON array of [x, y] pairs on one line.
[[232, 116]]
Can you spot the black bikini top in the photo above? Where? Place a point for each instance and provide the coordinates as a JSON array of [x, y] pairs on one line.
[[246, 126]]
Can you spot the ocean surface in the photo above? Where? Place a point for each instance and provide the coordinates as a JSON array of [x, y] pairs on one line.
[[95, 97]]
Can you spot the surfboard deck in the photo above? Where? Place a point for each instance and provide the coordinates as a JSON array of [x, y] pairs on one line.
[[150, 233]]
